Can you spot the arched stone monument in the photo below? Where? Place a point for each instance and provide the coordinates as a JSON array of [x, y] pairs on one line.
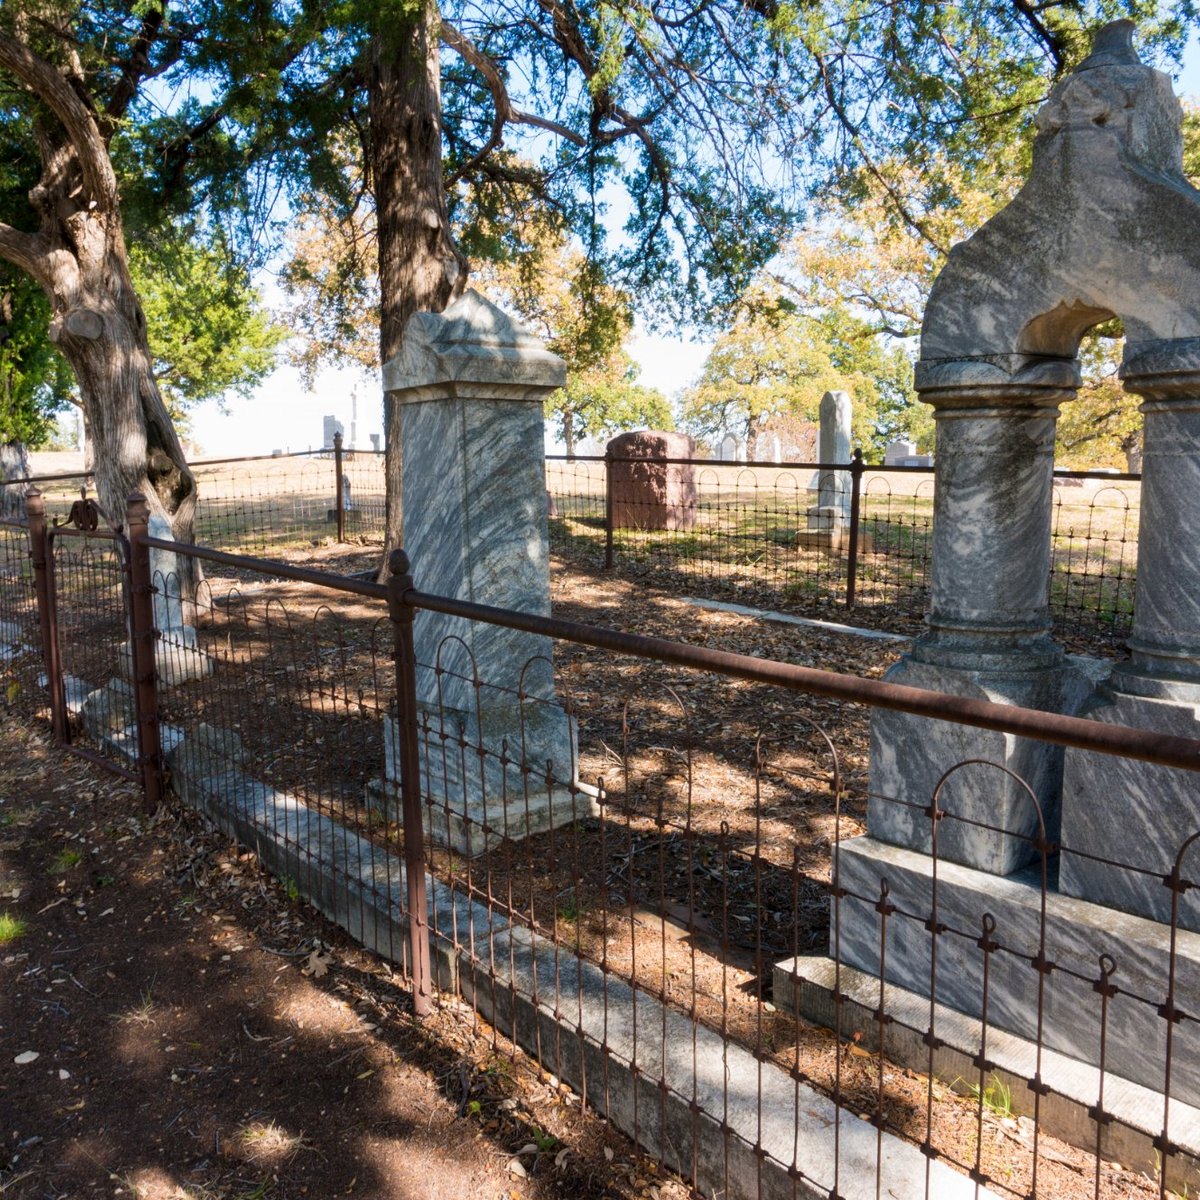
[[1106, 226]]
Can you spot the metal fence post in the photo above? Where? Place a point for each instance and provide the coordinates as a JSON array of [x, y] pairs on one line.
[[400, 583], [856, 474], [43, 586], [142, 640], [339, 488], [608, 511]]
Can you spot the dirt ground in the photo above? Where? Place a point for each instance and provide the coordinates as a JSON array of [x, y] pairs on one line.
[[174, 1027]]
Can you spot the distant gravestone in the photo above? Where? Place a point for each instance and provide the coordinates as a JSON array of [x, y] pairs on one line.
[[375, 442], [332, 428], [896, 452], [833, 487], [731, 449], [648, 492]]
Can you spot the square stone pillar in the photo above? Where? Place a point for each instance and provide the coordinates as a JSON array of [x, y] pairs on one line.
[[470, 384], [988, 623], [1129, 812]]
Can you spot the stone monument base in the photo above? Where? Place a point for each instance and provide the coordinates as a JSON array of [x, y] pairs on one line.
[[177, 657], [1132, 812], [499, 776], [910, 754], [1076, 935], [807, 986]]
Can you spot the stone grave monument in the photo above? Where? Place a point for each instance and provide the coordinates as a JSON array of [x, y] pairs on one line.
[[828, 520], [470, 384], [1105, 226], [647, 491]]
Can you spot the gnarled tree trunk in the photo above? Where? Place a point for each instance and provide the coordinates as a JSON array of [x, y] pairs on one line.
[[78, 257], [420, 270]]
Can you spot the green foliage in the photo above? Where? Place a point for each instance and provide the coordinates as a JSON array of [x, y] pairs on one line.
[[35, 381], [778, 359], [208, 331]]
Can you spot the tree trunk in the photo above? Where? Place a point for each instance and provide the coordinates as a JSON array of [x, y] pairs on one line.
[[420, 270], [568, 428], [14, 464], [78, 257], [99, 328], [1132, 446]]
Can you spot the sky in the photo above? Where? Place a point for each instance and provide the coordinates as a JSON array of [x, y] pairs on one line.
[[283, 414]]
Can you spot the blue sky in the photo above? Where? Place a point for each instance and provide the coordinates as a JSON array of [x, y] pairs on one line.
[[284, 415]]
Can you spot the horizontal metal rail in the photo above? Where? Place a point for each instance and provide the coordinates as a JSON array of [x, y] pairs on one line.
[[1162, 749], [266, 566]]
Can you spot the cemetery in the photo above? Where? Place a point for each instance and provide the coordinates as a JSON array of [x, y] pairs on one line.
[[829, 829]]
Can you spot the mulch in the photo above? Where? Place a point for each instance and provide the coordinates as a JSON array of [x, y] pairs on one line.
[[173, 1026]]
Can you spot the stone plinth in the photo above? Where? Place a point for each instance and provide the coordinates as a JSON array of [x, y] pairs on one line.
[[910, 754], [650, 493], [1077, 933], [1130, 812], [471, 383]]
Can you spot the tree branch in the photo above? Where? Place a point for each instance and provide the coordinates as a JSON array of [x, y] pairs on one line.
[[135, 68], [77, 119], [455, 40], [25, 250]]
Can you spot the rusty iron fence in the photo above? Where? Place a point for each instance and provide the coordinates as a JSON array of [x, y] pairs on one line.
[[257, 504], [681, 923], [763, 533], [749, 533]]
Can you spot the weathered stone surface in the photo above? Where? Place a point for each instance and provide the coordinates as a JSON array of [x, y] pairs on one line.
[[1106, 225], [833, 487], [471, 383], [650, 494], [523, 784], [205, 750], [1076, 934], [1132, 813], [1165, 642], [807, 986], [109, 708], [910, 754]]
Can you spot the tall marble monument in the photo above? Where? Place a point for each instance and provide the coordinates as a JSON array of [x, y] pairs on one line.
[[498, 748]]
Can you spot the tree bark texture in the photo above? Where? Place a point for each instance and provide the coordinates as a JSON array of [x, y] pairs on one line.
[[78, 256], [420, 269]]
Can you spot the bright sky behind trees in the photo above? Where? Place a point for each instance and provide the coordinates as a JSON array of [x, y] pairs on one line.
[[283, 414]]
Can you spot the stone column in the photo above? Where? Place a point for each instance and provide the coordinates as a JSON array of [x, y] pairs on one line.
[[1127, 811], [470, 384], [988, 631]]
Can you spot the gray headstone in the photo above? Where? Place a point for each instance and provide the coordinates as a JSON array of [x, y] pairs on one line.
[[332, 427]]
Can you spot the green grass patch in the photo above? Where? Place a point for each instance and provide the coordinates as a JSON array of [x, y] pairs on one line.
[[64, 861], [11, 928]]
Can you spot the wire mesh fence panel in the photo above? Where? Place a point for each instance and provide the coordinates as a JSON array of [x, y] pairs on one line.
[[277, 504], [654, 924], [272, 709], [365, 494], [575, 507], [895, 541], [90, 602], [1094, 556], [646, 861], [59, 491], [22, 661]]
